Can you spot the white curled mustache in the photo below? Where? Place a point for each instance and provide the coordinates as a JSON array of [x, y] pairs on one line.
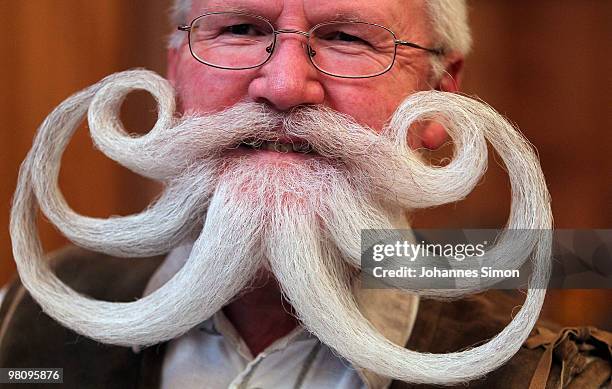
[[387, 167], [380, 167]]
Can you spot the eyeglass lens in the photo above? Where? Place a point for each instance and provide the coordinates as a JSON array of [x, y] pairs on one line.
[[239, 41]]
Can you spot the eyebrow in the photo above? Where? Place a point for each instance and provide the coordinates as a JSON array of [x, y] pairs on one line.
[[204, 10], [244, 6], [372, 16], [351, 17]]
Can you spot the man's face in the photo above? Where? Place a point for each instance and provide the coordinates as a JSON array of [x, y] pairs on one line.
[[289, 79]]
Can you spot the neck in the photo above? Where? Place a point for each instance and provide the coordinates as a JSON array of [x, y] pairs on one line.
[[261, 315]]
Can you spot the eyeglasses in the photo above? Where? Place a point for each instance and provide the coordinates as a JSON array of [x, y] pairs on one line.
[[238, 41]]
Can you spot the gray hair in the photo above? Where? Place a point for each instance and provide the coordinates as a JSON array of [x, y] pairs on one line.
[[449, 19]]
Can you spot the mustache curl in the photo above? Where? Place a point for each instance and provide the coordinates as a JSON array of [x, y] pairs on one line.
[[314, 271], [187, 155], [181, 205], [397, 175], [177, 306]]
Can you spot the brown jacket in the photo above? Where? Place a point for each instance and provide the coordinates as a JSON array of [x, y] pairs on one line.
[[567, 358]]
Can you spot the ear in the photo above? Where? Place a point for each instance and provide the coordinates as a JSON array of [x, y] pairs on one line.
[[450, 80], [432, 135]]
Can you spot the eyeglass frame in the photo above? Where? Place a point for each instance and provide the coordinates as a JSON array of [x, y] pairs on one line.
[[309, 51]]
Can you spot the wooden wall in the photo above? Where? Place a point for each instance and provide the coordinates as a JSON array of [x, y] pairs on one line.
[[545, 64], [51, 49]]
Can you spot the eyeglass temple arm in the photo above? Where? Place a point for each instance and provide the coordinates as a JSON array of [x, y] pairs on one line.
[[184, 27], [410, 44]]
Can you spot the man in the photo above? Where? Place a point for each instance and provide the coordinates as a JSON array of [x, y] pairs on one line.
[[277, 155]]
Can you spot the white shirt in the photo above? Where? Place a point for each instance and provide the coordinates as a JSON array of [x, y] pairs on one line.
[[214, 356], [207, 357]]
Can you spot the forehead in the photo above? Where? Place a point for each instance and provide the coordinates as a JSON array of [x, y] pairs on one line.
[[399, 15]]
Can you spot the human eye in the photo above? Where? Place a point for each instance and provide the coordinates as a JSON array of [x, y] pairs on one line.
[[230, 28], [352, 38], [343, 37], [243, 29]]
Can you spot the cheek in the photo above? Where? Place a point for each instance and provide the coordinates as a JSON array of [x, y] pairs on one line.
[[202, 88], [369, 103]]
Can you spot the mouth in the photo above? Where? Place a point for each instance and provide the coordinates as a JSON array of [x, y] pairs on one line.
[[283, 146]]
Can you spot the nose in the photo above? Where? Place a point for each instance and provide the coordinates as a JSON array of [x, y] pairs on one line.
[[288, 79]]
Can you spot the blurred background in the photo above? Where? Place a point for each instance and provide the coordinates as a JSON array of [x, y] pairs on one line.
[[544, 64]]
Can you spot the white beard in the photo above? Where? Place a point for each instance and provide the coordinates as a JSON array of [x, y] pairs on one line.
[[301, 219]]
